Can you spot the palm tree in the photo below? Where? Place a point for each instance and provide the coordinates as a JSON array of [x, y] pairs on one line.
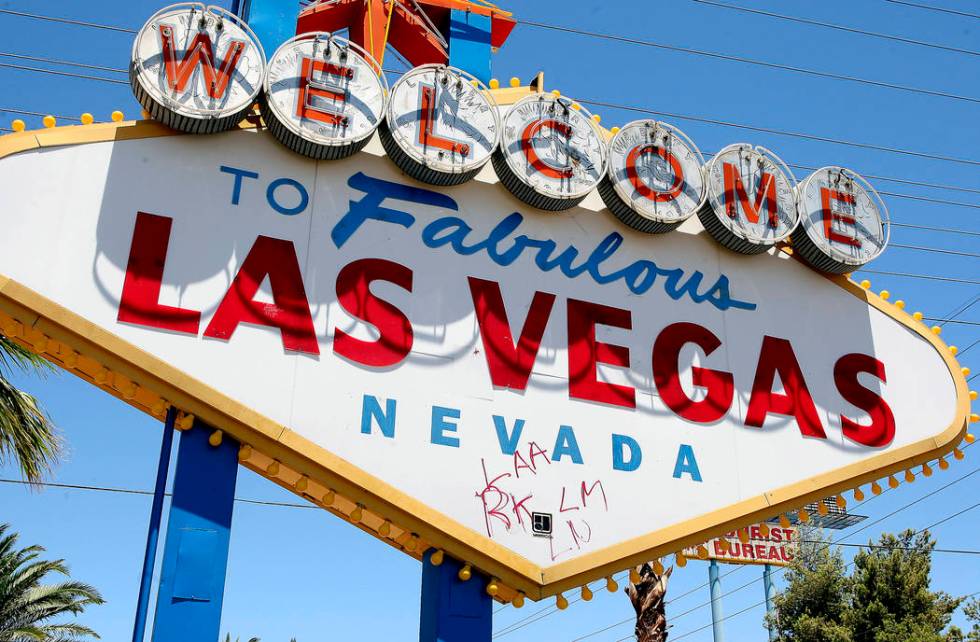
[[27, 606], [649, 600], [26, 433]]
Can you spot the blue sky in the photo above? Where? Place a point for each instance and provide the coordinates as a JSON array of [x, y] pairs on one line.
[[299, 572]]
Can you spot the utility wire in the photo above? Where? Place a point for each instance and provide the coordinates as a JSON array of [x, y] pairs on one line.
[[837, 27], [955, 321], [963, 307], [967, 349], [930, 228], [24, 112], [67, 63], [758, 604], [748, 61], [62, 73], [934, 250], [78, 23], [938, 9], [828, 545], [783, 132], [927, 277]]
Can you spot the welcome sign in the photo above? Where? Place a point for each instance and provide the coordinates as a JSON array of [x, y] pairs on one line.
[[425, 348]]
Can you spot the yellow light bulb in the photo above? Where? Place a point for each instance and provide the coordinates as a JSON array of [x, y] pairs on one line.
[[858, 495], [973, 395], [821, 508], [892, 482], [680, 560], [272, 468], [411, 544], [302, 483], [702, 552], [958, 454], [936, 330], [926, 470], [900, 304], [215, 438], [465, 573], [866, 284], [658, 567], [917, 316], [328, 498], [518, 600], [953, 350], [723, 545], [634, 576], [385, 530], [614, 130], [244, 453], [974, 418], [969, 438], [743, 535], [885, 294], [597, 118], [803, 516], [494, 83], [965, 371], [943, 464], [561, 602], [611, 584], [555, 93], [117, 116], [875, 488], [145, 115], [784, 521], [18, 125], [356, 514], [764, 529], [586, 594], [493, 587], [436, 558], [909, 476], [841, 502], [49, 121], [87, 119], [515, 81]]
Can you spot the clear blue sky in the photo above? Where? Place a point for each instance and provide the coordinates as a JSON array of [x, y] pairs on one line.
[[300, 572]]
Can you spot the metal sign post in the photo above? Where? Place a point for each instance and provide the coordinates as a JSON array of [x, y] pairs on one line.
[[453, 609], [767, 584], [718, 634]]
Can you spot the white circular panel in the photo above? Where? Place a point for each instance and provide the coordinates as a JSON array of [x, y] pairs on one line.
[[551, 154], [751, 200], [324, 95], [654, 181], [842, 218], [444, 123], [196, 68]]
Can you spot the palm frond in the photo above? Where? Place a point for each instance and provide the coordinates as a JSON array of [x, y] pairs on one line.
[[26, 433]]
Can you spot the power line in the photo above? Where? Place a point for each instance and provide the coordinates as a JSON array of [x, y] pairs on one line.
[[967, 349], [927, 277], [828, 545], [782, 132], [938, 9], [955, 321], [24, 112], [963, 307], [951, 551], [78, 23], [851, 563], [935, 250], [68, 63], [930, 228], [62, 73], [747, 61], [837, 27]]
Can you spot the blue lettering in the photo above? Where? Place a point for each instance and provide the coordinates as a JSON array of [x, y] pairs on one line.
[[508, 442], [440, 426], [371, 411], [621, 442], [565, 444], [239, 174], [270, 195], [686, 463]]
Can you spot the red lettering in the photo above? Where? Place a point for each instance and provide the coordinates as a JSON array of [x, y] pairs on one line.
[[720, 385], [540, 165], [591, 489], [523, 464], [561, 505], [510, 364], [200, 53], [777, 357], [519, 506], [533, 451], [329, 93], [427, 137], [766, 192], [394, 328], [641, 187], [882, 428], [585, 353], [290, 310], [830, 216], [139, 302]]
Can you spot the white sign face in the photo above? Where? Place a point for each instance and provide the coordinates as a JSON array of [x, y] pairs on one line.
[[751, 193], [197, 62], [843, 216], [324, 90], [553, 147], [553, 387], [656, 171], [441, 120]]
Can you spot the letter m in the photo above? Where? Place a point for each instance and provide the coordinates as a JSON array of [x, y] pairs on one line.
[[735, 191], [200, 53]]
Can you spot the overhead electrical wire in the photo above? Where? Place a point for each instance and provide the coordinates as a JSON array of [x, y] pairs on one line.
[[758, 604], [927, 277], [937, 9], [62, 73], [935, 250], [828, 545], [78, 23], [67, 63], [837, 27], [749, 61], [967, 349], [24, 112]]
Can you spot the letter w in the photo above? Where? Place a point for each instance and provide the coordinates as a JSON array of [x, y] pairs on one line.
[[510, 363], [199, 53]]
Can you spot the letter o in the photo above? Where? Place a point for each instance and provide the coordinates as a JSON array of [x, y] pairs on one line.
[[270, 196]]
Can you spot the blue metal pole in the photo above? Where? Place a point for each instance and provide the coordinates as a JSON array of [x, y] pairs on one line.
[[767, 584], [153, 534], [195, 554], [453, 610], [716, 617]]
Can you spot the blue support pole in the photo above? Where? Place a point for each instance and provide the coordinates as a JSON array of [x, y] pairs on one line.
[[153, 534], [195, 554], [469, 43], [453, 610], [716, 617], [272, 21], [767, 584]]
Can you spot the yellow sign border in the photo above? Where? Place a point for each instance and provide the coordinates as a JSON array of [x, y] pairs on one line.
[[296, 463]]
